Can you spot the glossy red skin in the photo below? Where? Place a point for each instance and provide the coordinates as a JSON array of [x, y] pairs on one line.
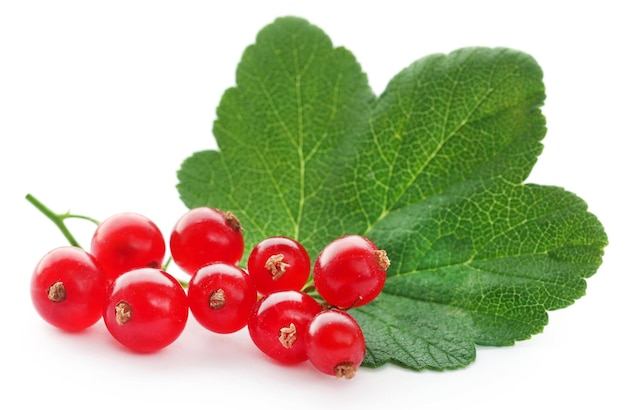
[[334, 337], [127, 241], [240, 296], [294, 277], [84, 281], [159, 309], [275, 311], [202, 236], [346, 272]]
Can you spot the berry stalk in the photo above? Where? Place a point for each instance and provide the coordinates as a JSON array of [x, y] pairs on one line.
[[59, 219]]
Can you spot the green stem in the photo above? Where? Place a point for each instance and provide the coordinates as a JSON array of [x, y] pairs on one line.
[[59, 219], [167, 263], [87, 218], [308, 288]]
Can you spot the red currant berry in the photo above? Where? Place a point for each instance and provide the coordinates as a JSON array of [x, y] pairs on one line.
[[278, 322], [350, 271], [67, 288], [335, 344], [205, 235], [145, 309], [127, 241], [279, 263], [221, 297]]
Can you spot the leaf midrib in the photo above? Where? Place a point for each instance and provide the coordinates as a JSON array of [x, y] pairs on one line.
[[444, 139]]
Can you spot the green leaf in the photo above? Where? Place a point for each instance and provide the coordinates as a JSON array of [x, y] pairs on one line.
[[432, 170], [298, 107]]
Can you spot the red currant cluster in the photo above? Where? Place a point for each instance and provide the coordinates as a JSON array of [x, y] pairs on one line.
[[123, 281]]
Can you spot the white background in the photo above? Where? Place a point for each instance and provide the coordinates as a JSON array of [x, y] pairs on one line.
[[101, 101]]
